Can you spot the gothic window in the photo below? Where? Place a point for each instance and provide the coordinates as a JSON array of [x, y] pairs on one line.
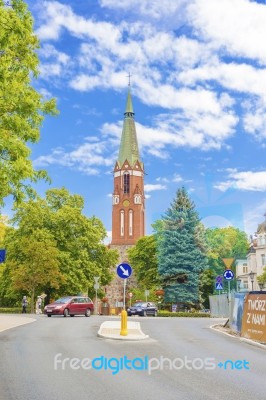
[[126, 182], [122, 222], [130, 225], [115, 199], [137, 199]]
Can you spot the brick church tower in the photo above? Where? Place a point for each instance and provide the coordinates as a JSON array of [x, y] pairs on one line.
[[128, 210], [128, 216]]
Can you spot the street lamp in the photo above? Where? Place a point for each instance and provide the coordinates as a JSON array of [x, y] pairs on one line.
[[251, 275], [261, 285]]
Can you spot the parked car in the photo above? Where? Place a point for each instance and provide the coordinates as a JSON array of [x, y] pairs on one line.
[[70, 305], [143, 309]]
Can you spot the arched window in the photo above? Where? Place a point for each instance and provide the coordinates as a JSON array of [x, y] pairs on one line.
[[130, 224], [122, 222], [126, 182]]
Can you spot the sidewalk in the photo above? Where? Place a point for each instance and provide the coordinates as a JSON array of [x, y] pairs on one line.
[[111, 330], [8, 321]]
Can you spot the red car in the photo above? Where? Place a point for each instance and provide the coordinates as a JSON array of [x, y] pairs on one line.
[[71, 305]]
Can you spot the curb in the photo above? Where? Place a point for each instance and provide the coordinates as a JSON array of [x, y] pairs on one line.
[[249, 341], [9, 322], [111, 330]]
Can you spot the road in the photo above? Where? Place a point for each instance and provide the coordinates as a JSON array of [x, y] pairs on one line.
[[180, 348]]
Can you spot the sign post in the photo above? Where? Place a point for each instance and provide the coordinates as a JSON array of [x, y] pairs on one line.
[[124, 271]]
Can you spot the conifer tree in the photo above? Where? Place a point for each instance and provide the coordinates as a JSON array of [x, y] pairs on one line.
[[181, 248]]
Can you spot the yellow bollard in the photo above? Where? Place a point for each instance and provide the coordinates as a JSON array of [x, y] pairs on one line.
[[123, 331]]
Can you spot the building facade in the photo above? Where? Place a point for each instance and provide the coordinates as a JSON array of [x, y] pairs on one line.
[[256, 260], [128, 213], [128, 208]]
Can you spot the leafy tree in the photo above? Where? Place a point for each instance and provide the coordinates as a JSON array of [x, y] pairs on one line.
[[22, 108], [143, 259], [3, 227], [79, 242], [181, 250], [34, 262], [225, 243], [262, 278]]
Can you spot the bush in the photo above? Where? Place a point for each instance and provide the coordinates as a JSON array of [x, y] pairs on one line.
[[163, 313], [10, 310]]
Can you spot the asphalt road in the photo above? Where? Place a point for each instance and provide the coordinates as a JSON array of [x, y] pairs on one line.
[[178, 352]]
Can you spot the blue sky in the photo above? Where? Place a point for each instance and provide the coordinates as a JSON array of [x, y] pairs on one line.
[[199, 95]]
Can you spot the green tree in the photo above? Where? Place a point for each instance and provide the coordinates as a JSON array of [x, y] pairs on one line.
[[181, 250], [33, 262], [22, 108], [3, 227], [143, 259], [79, 241], [262, 278]]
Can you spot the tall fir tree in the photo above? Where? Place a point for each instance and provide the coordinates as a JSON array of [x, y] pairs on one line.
[[181, 250]]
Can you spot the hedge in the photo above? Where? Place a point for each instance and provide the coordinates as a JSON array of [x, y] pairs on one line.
[[10, 310], [163, 313]]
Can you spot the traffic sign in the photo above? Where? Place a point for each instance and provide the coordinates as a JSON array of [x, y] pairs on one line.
[[219, 279], [124, 270], [228, 274], [2, 255], [218, 286], [228, 262]]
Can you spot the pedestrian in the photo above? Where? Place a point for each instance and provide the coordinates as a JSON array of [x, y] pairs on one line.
[[39, 305], [24, 304]]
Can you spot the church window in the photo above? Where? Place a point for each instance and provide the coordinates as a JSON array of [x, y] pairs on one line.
[[126, 182], [122, 222], [130, 215], [137, 199]]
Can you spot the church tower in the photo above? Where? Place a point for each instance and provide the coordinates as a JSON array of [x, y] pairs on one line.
[[128, 212]]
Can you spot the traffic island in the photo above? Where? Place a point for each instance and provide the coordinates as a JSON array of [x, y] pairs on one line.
[[112, 330], [12, 321]]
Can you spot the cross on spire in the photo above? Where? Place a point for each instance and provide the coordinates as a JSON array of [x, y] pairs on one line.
[[129, 76]]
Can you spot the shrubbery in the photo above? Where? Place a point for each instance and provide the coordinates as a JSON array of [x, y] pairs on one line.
[[163, 313]]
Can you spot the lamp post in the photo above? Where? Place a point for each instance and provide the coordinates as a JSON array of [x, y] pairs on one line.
[[261, 285], [252, 275], [96, 287]]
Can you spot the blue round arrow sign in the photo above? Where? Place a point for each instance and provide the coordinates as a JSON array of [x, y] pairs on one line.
[[124, 270], [228, 274]]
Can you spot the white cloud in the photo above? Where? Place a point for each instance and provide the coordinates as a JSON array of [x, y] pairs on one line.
[[177, 178], [152, 187], [254, 216], [239, 77], [88, 158], [255, 119], [246, 181], [235, 26]]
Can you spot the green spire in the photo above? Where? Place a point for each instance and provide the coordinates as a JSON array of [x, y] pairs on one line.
[[129, 144]]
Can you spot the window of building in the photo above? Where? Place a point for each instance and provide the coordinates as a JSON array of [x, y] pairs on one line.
[[245, 284], [130, 225], [115, 199], [245, 269], [122, 222], [137, 199], [263, 259], [126, 182]]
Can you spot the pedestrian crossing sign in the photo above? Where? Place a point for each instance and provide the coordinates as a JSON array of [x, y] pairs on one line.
[[218, 286]]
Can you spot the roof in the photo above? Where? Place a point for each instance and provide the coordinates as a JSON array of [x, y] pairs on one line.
[[262, 228], [129, 149]]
